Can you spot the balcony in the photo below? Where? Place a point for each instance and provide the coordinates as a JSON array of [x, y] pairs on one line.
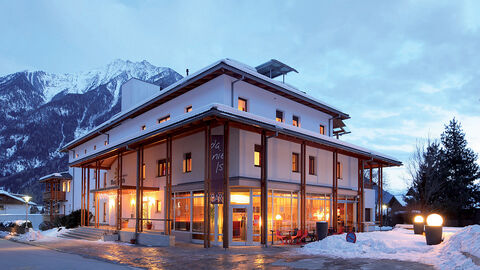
[[54, 195]]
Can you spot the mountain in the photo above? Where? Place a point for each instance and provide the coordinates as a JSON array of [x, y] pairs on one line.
[[42, 111]]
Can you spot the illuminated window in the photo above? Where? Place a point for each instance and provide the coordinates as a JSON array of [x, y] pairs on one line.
[[322, 129], [162, 167], [105, 143], [64, 186], [164, 119], [76, 155], [188, 109], [143, 171], [296, 121], [339, 170], [295, 167], [104, 212], [257, 156], [68, 186], [187, 162], [159, 206], [242, 104], [279, 116], [311, 165], [144, 127]]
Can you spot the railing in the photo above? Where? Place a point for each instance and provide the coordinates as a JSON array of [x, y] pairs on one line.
[[368, 185], [54, 195]]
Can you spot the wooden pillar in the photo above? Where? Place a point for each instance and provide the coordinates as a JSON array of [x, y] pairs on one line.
[[142, 176], [137, 198], [335, 192], [206, 185], [82, 198], [97, 212], [361, 201], [88, 198], [226, 187], [168, 187], [380, 198], [119, 193], [264, 190], [303, 186]]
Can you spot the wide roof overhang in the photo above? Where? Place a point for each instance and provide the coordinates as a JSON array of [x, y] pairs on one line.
[[188, 125]]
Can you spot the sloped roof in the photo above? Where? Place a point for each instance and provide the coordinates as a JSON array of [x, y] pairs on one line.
[[15, 196], [58, 175]]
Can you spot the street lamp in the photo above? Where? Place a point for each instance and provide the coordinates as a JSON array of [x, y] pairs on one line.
[[27, 199], [384, 213]]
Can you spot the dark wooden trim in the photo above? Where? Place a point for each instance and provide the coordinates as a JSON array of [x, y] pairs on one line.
[[137, 198], [303, 193], [88, 197], [264, 190], [335, 192], [206, 202]]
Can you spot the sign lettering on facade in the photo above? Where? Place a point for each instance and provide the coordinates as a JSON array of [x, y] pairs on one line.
[[217, 168]]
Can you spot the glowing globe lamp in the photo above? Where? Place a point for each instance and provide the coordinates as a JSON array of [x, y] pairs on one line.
[[418, 225], [434, 229], [434, 220]]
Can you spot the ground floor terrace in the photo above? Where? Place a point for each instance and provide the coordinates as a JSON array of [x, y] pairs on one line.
[[249, 210]]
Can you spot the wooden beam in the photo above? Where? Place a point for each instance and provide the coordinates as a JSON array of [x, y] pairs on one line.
[[137, 198], [335, 192], [264, 190], [206, 185], [226, 188], [88, 197], [303, 184]]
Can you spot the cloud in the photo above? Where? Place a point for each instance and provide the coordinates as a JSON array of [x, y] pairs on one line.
[[408, 51]]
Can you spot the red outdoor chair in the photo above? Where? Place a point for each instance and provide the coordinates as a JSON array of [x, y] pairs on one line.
[[302, 237], [296, 237], [283, 238]]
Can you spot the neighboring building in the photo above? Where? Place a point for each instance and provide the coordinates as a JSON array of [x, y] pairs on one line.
[[13, 204], [226, 129], [58, 194]]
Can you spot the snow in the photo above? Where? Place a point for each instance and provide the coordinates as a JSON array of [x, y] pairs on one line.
[[403, 244], [38, 236]]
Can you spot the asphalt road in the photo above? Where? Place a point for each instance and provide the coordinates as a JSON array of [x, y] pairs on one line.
[[22, 256]]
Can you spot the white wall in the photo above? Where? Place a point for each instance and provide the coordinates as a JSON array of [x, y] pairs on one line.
[[369, 200], [134, 91]]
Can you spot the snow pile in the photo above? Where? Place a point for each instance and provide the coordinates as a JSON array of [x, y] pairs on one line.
[[39, 236], [402, 244], [12, 223]]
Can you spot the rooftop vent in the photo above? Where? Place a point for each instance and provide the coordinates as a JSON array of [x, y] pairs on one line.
[[274, 68]]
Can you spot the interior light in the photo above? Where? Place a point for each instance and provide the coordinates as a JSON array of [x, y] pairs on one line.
[[278, 217], [240, 199], [434, 220]]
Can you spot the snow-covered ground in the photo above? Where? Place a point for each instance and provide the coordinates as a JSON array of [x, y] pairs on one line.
[[455, 252], [39, 236]]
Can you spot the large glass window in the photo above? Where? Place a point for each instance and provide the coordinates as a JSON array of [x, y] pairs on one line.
[[198, 212], [318, 209], [284, 211], [182, 211]]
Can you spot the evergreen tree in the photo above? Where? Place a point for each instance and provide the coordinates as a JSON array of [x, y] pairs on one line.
[[460, 171]]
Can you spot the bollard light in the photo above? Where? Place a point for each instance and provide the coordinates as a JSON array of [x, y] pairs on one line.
[[418, 225], [433, 229]]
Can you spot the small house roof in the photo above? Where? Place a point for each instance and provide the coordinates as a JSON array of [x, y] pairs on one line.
[[57, 175], [15, 196]]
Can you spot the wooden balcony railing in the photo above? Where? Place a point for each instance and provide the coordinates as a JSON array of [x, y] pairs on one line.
[[54, 195]]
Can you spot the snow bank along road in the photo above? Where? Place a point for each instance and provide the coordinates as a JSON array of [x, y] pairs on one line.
[[459, 250]]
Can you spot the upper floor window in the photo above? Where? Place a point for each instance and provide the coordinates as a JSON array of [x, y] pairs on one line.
[[295, 167], [64, 186], [68, 186], [296, 121], [187, 162], [322, 129], [164, 119], [144, 127], [279, 116], [85, 151], [143, 171], [76, 155], [339, 170], [162, 167], [242, 104], [188, 109], [105, 143], [257, 156], [312, 165], [94, 147]]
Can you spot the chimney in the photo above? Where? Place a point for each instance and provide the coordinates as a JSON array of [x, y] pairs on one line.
[[187, 71]]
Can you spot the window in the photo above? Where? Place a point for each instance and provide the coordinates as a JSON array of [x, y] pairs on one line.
[[242, 104], [144, 127], [295, 167], [159, 206], [104, 179], [322, 129], [105, 143], [76, 155], [257, 156], [187, 162], [68, 186], [104, 212], [296, 121], [339, 170], [188, 109], [164, 119], [162, 167], [64, 186], [368, 214], [143, 171], [94, 147], [312, 165], [85, 151], [2, 207], [279, 116]]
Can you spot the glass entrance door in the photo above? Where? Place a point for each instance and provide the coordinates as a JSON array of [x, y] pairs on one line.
[[239, 224]]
